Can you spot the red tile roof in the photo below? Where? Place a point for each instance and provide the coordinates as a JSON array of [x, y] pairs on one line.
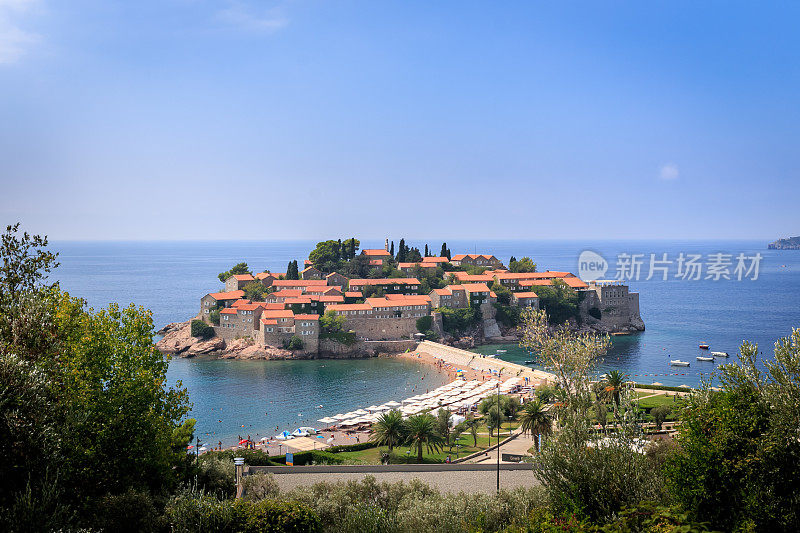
[[349, 307], [231, 295], [306, 317], [249, 307], [383, 302], [279, 313], [475, 287], [309, 268], [376, 252], [299, 282], [271, 306], [354, 294], [286, 293], [334, 298], [243, 277], [300, 300], [262, 275], [522, 295], [384, 281], [237, 303], [475, 278], [443, 292], [423, 297], [375, 262], [574, 282], [435, 260], [229, 311], [269, 322], [459, 257]]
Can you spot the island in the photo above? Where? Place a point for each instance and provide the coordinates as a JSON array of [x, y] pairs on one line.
[[346, 303], [789, 243]]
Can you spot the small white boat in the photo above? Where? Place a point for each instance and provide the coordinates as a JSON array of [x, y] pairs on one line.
[[720, 354], [678, 362], [701, 358], [502, 351], [490, 355]]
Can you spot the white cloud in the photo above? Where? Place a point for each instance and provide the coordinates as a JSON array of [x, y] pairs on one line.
[[669, 172], [14, 40], [244, 15]]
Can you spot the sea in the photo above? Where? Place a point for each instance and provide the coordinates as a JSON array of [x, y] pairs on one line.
[[235, 399]]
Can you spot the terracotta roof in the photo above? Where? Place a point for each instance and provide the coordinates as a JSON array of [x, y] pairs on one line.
[[249, 307], [269, 322], [286, 293], [231, 295], [412, 265], [424, 297], [435, 260], [475, 287], [475, 278], [237, 303], [459, 257], [531, 275], [271, 306], [262, 275], [309, 268], [229, 311], [354, 294], [375, 262], [384, 281], [243, 277], [307, 262], [349, 307], [332, 289], [306, 317], [334, 274], [376, 252], [574, 282], [398, 302], [520, 295], [301, 300], [455, 288], [298, 282], [537, 282], [443, 292], [492, 294], [334, 298], [279, 313]]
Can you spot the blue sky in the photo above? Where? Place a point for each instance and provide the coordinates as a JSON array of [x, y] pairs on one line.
[[239, 119]]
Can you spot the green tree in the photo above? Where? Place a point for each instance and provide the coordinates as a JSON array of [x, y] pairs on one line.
[[614, 382], [391, 250], [523, 265], [213, 316], [494, 419], [558, 300], [738, 461], [325, 256], [472, 425], [239, 268], [201, 330], [401, 251], [444, 418], [292, 270], [424, 323], [421, 432], [388, 429], [445, 252], [660, 414], [536, 420], [255, 291]]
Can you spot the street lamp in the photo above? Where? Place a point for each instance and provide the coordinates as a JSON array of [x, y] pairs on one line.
[[499, 425], [238, 464]]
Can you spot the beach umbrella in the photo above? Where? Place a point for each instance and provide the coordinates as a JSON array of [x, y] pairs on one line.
[[327, 420], [392, 404], [360, 412]]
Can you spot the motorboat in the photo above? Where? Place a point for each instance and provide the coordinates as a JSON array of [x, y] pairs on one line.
[[678, 362], [704, 346], [702, 358], [720, 354]]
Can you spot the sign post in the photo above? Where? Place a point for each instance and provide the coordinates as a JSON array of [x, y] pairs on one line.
[[289, 459]]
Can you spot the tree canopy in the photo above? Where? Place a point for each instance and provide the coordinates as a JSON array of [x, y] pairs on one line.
[[239, 268]]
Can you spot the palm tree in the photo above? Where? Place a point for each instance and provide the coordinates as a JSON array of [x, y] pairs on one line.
[[388, 429], [420, 432], [472, 425], [614, 381], [535, 420]]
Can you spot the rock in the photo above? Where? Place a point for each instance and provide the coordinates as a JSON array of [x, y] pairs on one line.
[[205, 347]]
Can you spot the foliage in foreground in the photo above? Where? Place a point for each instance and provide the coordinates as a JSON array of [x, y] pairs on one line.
[[739, 461]]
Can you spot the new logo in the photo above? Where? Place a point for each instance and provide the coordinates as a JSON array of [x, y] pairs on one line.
[[591, 266]]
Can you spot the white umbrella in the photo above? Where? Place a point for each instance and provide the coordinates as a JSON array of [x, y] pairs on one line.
[[392, 404], [374, 408], [360, 412], [327, 420]]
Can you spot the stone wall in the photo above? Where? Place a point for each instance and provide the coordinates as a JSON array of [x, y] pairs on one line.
[[376, 329]]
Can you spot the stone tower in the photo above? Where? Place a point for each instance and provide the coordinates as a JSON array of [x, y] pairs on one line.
[[386, 246]]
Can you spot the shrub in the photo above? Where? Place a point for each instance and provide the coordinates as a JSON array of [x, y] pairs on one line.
[[194, 512], [456, 321], [215, 474], [260, 487], [508, 315], [295, 343], [133, 511], [201, 330], [595, 313], [214, 316], [424, 323]]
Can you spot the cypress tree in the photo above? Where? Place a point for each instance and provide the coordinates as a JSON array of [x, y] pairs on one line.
[[443, 253], [339, 251], [401, 253], [391, 250], [426, 251]]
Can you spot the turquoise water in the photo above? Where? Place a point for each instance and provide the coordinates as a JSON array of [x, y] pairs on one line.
[[170, 277]]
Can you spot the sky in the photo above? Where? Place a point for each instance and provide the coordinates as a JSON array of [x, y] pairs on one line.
[[245, 119]]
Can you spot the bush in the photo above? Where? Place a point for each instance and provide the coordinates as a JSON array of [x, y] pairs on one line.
[[424, 323], [201, 513], [456, 321], [251, 457], [508, 315], [215, 474], [260, 487], [132, 511], [214, 316], [595, 313], [295, 343], [201, 330]]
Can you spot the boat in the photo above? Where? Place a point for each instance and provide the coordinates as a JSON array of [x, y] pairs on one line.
[[678, 362], [490, 355], [502, 351], [704, 346], [529, 362], [720, 354], [701, 358]]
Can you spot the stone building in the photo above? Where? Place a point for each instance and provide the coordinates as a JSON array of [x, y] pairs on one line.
[[310, 273], [214, 300], [525, 299], [238, 281], [335, 279], [389, 285], [618, 307], [392, 317], [476, 260]]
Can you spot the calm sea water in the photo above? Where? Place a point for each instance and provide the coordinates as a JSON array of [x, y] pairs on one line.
[[255, 397]]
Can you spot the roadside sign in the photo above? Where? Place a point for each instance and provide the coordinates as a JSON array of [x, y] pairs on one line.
[[289, 459]]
